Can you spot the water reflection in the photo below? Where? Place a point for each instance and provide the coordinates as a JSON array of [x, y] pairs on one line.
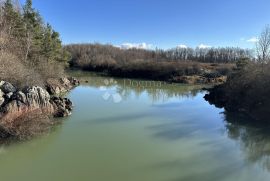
[[253, 137], [156, 90]]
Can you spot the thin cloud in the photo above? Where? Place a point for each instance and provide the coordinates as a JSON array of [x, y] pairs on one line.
[[136, 45], [182, 46], [253, 40], [203, 46]]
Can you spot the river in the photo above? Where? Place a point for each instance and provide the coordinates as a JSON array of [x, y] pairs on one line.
[[135, 130]]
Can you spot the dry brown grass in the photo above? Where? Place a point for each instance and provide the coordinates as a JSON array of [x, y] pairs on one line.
[[13, 70]]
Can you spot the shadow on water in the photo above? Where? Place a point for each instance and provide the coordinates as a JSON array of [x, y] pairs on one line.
[[253, 137], [172, 131]]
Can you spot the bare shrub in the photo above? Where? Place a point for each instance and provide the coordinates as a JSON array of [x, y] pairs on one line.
[[12, 70], [27, 126]]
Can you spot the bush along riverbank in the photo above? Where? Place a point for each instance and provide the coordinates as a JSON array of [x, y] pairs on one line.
[[248, 87], [245, 92], [27, 112]]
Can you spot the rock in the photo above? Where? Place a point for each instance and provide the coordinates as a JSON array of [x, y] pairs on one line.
[[1, 83], [2, 99], [63, 106], [64, 81], [7, 87], [9, 95], [74, 82], [20, 96], [15, 105], [30, 109], [37, 96], [62, 85]]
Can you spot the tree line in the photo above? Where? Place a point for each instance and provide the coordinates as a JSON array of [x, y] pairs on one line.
[[107, 55], [209, 55]]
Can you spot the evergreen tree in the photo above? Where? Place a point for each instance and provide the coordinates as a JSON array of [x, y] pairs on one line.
[[13, 26], [34, 32]]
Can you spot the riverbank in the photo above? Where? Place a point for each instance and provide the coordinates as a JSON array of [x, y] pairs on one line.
[[245, 92], [160, 65], [173, 72], [28, 111]]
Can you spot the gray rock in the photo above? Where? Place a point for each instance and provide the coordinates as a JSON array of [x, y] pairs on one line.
[[1, 83], [7, 87], [64, 81], [2, 99], [9, 95], [20, 96], [74, 82], [63, 106], [37, 96]]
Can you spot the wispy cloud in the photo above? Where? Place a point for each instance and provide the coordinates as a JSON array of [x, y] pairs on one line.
[[203, 46], [182, 46], [136, 45], [253, 40]]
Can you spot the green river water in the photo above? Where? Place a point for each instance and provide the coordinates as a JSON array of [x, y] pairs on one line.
[[134, 130]]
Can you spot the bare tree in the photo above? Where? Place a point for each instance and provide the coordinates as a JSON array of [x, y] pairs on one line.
[[263, 46]]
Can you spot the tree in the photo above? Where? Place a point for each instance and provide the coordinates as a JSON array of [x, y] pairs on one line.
[[263, 46], [34, 33]]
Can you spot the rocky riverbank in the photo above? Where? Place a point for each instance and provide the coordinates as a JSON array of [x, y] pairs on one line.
[[19, 104]]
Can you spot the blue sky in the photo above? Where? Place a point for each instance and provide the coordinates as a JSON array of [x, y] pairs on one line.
[[161, 23]]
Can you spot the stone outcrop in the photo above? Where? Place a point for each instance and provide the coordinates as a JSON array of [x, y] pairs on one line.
[[62, 85], [16, 103]]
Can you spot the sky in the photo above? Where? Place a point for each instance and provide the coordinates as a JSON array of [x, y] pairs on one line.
[[157, 23]]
